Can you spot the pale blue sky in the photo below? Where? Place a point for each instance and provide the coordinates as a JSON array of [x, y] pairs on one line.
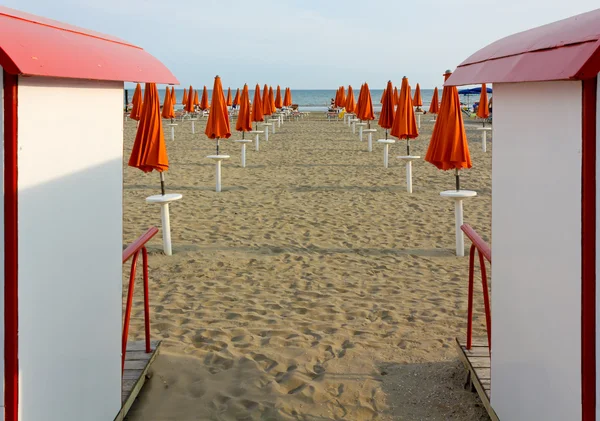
[[308, 43]]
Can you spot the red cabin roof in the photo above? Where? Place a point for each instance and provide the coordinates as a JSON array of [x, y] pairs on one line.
[[35, 46], [567, 49]]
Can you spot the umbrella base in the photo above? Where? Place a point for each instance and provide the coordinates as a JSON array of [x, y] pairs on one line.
[[163, 201], [458, 197], [218, 159]]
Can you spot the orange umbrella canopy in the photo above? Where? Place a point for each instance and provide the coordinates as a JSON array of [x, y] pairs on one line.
[[342, 97], [266, 101], [278, 99], [350, 103], [204, 105], [448, 148], [360, 99], [185, 97], [229, 100], [386, 117], [136, 110], [196, 101], [417, 100], [336, 101], [257, 114], [483, 110], [272, 100], [236, 100], [290, 95], [366, 110], [405, 123], [396, 96], [173, 96], [434, 107], [286, 98], [244, 120], [189, 105], [166, 110], [382, 96], [217, 126], [149, 150]]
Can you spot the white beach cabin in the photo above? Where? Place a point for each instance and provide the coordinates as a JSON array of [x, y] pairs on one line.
[[62, 123], [545, 215]]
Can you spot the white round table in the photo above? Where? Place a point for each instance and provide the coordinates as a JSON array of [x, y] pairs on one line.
[[193, 120], [163, 201], [218, 159], [353, 122], [350, 117], [409, 159], [273, 121], [172, 126], [458, 197], [266, 126], [243, 142], [484, 131], [257, 133], [386, 150], [370, 138]]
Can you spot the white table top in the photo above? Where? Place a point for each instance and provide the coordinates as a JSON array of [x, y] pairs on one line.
[[159, 198], [409, 157], [354, 119], [218, 157], [256, 131], [361, 124], [419, 112], [171, 124], [244, 140], [369, 130], [461, 194], [193, 119], [389, 141], [484, 128], [266, 124]]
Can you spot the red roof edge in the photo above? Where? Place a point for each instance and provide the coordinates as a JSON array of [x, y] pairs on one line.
[[591, 68]]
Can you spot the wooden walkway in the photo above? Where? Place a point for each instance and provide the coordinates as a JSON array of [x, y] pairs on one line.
[[137, 364], [477, 362]]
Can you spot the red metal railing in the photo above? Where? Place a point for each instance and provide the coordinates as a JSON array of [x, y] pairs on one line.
[[134, 250], [484, 251]]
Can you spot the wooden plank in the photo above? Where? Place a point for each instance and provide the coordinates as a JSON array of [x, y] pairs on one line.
[[482, 386], [134, 379], [137, 355], [136, 364]]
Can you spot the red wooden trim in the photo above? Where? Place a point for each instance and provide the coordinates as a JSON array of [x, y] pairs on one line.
[[481, 245], [11, 261], [588, 250], [139, 243]]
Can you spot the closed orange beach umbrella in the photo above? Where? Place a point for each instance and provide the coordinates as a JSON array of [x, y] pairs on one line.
[[286, 98], [189, 105], [217, 126], [204, 105], [266, 101], [448, 148], [244, 120], [396, 96], [350, 103], [290, 95], [366, 110], [483, 110], [417, 100], [166, 108], [257, 114], [278, 99], [359, 100], [185, 97], [434, 107], [236, 100], [229, 100], [196, 100], [405, 123], [173, 96], [382, 96], [336, 101], [149, 151], [137, 103], [342, 97], [386, 117], [272, 99]]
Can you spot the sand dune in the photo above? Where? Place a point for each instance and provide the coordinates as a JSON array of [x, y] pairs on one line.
[[312, 286]]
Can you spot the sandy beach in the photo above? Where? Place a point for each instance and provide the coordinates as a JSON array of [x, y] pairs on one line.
[[314, 287]]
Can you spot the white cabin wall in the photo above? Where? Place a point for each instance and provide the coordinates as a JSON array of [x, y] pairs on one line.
[[2, 244], [70, 246], [536, 242]]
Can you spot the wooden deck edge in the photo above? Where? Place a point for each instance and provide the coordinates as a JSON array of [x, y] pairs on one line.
[[126, 406], [476, 382]]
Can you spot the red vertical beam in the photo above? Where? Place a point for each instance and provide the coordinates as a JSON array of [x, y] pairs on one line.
[[11, 313], [588, 251]]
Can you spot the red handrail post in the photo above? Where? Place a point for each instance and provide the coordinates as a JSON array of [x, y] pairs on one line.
[[486, 301], [470, 304], [128, 309], [146, 300]]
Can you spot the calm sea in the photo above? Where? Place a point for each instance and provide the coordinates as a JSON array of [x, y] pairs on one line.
[[314, 99]]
